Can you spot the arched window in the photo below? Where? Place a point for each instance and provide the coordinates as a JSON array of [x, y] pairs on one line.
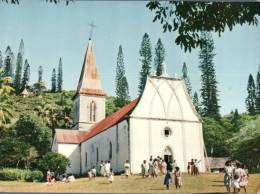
[[110, 150], [92, 112], [167, 131]]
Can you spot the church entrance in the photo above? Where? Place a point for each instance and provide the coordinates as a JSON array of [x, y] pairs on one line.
[[167, 155]]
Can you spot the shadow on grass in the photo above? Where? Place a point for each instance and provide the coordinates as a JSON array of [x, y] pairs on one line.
[[217, 181]]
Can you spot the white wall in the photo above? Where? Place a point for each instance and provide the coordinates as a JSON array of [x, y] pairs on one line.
[[71, 151], [101, 141]]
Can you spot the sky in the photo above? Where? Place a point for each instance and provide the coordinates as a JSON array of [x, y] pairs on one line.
[[52, 31]]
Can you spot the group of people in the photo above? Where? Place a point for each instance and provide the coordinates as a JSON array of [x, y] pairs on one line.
[[103, 169], [193, 167], [236, 176]]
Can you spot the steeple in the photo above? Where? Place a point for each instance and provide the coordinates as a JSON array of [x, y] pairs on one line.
[[89, 81]]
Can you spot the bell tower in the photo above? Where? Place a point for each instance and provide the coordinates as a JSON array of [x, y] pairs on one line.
[[89, 100]]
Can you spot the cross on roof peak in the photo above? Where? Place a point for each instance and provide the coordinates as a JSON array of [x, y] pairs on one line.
[[92, 26]]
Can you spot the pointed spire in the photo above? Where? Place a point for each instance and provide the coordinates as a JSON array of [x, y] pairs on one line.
[[164, 70], [89, 81], [21, 48]]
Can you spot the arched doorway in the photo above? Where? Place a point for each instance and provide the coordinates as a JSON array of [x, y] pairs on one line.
[[168, 155]]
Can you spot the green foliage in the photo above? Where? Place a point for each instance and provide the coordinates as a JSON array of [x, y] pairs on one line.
[[54, 161], [60, 77], [40, 72], [26, 75], [53, 81], [209, 92], [251, 97], [111, 105], [12, 174], [215, 137], [189, 18], [31, 129], [257, 93], [8, 69], [18, 74], [196, 102], [159, 57], [122, 92], [1, 60], [186, 78], [146, 59]]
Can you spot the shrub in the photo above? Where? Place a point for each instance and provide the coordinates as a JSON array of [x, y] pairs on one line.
[[12, 174]]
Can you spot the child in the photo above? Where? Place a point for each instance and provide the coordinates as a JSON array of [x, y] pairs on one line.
[[110, 176], [236, 183], [177, 177], [90, 174], [94, 172], [168, 179]]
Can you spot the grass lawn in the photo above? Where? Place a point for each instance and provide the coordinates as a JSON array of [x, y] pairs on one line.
[[205, 183]]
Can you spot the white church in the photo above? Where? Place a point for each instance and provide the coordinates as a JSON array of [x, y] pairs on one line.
[[161, 122]]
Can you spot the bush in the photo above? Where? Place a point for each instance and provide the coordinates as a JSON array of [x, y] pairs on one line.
[[54, 161], [12, 174]]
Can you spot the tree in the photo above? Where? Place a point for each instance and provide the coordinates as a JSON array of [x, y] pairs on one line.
[[60, 77], [26, 75], [188, 18], [8, 70], [209, 92], [54, 161], [40, 72], [257, 100], [159, 57], [1, 60], [196, 102], [18, 71], [186, 78], [251, 97], [31, 129], [122, 93], [146, 59], [111, 105], [53, 81]]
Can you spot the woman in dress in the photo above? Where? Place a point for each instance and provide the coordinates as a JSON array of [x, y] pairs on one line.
[[102, 168], [228, 175], [155, 168], [164, 167], [177, 178], [168, 179], [243, 178], [144, 169], [110, 176]]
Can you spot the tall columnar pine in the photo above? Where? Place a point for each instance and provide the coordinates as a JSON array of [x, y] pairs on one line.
[[186, 78], [146, 59], [40, 72], [26, 75], [18, 71], [122, 92], [196, 102], [1, 60], [257, 100], [53, 81], [8, 69], [60, 77], [251, 97], [209, 92], [159, 57]]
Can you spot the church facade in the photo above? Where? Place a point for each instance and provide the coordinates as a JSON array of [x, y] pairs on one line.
[[161, 122]]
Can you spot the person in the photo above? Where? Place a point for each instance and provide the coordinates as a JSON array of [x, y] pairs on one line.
[[188, 167], [49, 176], [177, 177], [196, 167], [168, 179], [174, 164], [144, 169], [228, 170], [127, 168], [236, 183], [243, 178], [107, 168], [102, 168], [192, 167], [155, 168], [94, 172], [71, 178], [110, 176], [164, 167], [150, 169], [90, 174]]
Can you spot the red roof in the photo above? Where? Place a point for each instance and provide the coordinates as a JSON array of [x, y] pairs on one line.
[[76, 136]]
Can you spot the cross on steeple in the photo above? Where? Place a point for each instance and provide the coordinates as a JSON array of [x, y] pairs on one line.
[[92, 26]]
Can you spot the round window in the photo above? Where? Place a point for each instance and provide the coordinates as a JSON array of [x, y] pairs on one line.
[[167, 131]]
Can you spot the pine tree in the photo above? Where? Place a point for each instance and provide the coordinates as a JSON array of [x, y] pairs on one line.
[[146, 58], [1, 60], [251, 98], [53, 81], [40, 72], [18, 71], [257, 101], [209, 92], [159, 57], [196, 102], [122, 93], [26, 75], [8, 70], [186, 78], [59, 78]]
